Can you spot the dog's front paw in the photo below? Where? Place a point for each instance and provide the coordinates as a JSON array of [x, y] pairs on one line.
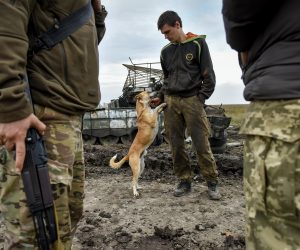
[[161, 107]]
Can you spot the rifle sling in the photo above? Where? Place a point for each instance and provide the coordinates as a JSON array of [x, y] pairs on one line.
[[62, 29]]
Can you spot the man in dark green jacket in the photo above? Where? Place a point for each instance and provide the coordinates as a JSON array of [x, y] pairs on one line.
[[189, 80], [64, 84]]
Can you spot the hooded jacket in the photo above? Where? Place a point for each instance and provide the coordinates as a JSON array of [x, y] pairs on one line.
[[64, 78], [187, 68], [270, 32]]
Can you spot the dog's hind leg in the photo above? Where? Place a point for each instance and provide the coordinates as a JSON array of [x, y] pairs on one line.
[[142, 162], [142, 166], [135, 179], [134, 163]]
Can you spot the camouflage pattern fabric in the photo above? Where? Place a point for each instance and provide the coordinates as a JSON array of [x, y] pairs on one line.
[[66, 169], [189, 113], [272, 174]]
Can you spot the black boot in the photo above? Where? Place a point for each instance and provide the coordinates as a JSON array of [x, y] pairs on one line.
[[213, 191], [184, 187]]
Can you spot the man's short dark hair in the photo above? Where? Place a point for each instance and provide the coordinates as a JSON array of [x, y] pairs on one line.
[[168, 17]]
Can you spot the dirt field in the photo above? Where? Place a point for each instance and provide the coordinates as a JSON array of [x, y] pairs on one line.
[[113, 219]]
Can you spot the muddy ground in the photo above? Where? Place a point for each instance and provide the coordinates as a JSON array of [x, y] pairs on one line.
[[157, 220], [113, 219]]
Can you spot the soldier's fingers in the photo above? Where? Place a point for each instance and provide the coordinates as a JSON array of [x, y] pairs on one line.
[[9, 145], [2, 140], [20, 155], [40, 126]]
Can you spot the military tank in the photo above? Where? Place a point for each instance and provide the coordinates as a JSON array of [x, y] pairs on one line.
[[116, 123]]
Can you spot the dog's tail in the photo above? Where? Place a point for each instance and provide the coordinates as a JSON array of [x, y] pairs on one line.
[[117, 165]]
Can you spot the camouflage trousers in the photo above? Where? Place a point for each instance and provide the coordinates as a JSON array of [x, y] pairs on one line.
[[63, 142], [188, 113], [272, 175]]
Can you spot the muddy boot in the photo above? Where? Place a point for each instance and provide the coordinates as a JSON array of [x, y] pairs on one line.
[[184, 187], [213, 191]]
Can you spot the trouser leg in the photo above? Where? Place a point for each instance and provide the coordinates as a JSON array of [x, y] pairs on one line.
[[19, 232], [198, 127], [77, 192], [272, 191], [66, 166], [175, 127], [65, 160]]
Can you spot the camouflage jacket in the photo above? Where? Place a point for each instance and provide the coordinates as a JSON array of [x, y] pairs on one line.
[[64, 78]]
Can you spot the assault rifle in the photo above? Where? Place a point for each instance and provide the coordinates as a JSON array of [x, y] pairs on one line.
[[38, 190]]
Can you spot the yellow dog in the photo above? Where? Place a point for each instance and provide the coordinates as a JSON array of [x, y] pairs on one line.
[[147, 123]]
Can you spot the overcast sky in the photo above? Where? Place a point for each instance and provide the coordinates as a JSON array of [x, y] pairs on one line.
[[132, 32]]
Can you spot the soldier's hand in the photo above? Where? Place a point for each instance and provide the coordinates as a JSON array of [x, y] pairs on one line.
[[97, 5], [155, 102], [13, 134]]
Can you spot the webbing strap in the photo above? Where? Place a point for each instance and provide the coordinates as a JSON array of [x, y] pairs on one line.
[[63, 29]]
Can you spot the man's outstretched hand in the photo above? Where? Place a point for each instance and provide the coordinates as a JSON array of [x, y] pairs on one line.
[[13, 134], [155, 102]]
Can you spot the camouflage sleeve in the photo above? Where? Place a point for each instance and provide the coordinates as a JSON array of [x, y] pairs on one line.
[[100, 24], [14, 16]]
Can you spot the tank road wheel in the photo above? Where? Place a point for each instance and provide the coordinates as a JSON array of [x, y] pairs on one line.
[[89, 140], [109, 140], [126, 139]]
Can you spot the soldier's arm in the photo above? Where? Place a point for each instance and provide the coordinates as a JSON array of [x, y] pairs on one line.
[[245, 19], [14, 17], [100, 15], [161, 93], [207, 73], [16, 111]]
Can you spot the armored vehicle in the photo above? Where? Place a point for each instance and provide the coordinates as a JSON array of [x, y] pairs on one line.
[[116, 123]]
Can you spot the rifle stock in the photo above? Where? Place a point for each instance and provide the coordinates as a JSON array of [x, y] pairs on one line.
[[38, 191]]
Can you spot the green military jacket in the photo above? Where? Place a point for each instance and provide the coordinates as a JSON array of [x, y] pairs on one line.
[[64, 78]]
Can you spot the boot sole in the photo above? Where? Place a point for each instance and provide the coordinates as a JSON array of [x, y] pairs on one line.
[[182, 194]]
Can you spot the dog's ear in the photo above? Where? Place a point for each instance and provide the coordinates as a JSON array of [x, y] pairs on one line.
[[137, 97]]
